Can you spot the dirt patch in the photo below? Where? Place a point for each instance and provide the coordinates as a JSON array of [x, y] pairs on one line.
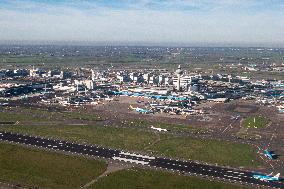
[[243, 109], [10, 186]]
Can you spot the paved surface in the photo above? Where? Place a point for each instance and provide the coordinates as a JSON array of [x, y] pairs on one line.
[[203, 170]]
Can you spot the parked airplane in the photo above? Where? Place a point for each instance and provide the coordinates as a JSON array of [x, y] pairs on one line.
[[125, 93], [158, 129], [158, 106], [141, 110], [4, 104], [281, 108], [137, 94], [108, 99], [269, 154], [235, 117], [267, 178]]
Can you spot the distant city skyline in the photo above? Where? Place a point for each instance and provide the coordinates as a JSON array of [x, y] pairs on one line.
[[153, 22]]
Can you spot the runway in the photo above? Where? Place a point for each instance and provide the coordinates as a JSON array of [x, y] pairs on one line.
[[186, 167]]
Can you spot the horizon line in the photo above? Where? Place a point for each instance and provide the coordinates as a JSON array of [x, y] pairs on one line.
[[142, 43]]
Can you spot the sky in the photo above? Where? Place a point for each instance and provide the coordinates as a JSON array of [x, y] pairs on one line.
[[187, 22]]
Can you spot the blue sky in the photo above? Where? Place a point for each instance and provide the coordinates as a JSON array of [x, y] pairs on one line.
[[236, 22]]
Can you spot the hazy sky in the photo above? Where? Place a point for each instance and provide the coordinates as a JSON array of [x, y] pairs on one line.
[[149, 21]]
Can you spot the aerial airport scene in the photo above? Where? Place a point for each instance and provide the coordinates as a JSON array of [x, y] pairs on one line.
[[88, 100]]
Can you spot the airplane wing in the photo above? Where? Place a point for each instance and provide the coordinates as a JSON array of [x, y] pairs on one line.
[[131, 107]]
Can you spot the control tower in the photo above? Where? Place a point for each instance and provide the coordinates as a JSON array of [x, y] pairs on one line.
[[93, 75], [178, 72]]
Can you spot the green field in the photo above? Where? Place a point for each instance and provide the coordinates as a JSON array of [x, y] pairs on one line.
[[248, 135], [37, 115], [41, 169], [212, 151], [130, 139], [255, 122], [44, 60], [14, 117], [81, 116], [149, 179], [170, 127], [226, 153]]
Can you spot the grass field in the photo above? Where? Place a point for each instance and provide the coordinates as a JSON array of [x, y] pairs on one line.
[[212, 151], [12, 114], [36, 115], [149, 179], [81, 116], [170, 127], [226, 153], [255, 122], [44, 60], [248, 135], [40, 169], [130, 139]]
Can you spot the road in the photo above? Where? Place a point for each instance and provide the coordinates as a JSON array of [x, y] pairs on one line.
[[186, 167]]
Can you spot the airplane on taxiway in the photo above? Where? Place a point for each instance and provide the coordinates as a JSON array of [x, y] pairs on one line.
[[266, 178]]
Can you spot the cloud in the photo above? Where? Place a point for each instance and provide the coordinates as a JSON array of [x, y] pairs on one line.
[[208, 21]]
